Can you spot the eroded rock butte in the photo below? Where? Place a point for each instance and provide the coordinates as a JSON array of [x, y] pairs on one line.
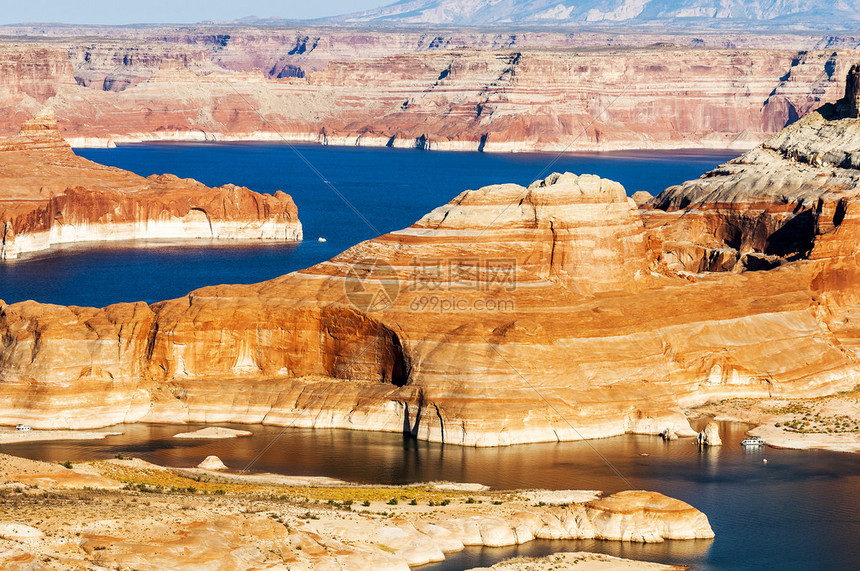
[[49, 196], [560, 311]]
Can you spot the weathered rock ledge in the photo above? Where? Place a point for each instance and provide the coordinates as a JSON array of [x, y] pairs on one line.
[[240, 524], [50, 196]]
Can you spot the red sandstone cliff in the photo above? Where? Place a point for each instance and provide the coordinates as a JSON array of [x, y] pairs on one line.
[[452, 90], [49, 195]]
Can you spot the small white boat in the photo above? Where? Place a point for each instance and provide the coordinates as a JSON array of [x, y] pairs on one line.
[[753, 441], [23, 427]]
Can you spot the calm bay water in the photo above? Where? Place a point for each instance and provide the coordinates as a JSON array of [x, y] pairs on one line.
[[800, 510], [391, 188]]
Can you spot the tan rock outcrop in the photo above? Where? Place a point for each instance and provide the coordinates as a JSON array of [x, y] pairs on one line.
[[636, 515], [633, 516], [11, 530], [49, 196], [214, 432], [49, 475], [276, 526], [212, 463], [710, 435], [583, 561]]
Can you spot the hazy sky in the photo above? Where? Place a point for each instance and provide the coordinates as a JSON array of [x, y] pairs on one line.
[[171, 11]]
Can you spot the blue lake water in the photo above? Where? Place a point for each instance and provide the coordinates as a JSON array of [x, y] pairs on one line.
[[390, 188]]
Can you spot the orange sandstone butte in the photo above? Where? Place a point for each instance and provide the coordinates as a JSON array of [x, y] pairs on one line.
[[49, 196], [578, 314]]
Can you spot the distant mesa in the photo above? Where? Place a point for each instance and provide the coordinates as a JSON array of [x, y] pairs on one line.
[[459, 89], [51, 196]]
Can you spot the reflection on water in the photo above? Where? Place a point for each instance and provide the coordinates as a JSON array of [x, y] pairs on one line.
[[686, 552], [800, 510]]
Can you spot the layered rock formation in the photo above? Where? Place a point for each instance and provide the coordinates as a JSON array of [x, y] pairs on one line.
[[272, 525], [49, 196], [560, 311], [461, 89], [785, 200], [710, 436]]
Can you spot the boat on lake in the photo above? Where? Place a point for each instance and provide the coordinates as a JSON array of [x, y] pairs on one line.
[[753, 441]]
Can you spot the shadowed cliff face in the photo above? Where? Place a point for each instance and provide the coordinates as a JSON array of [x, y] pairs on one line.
[[779, 202], [852, 93]]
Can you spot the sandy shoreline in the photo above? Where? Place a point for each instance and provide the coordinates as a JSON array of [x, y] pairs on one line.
[[16, 436], [823, 423], [358, 140], [128, 513]]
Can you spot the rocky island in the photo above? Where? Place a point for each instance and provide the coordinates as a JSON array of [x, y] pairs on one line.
[[50, 196], [560, 311]]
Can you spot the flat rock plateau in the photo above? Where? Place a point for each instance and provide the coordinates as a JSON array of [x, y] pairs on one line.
[[50, 196], [467, 89], [560, 311], [130, 514]]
